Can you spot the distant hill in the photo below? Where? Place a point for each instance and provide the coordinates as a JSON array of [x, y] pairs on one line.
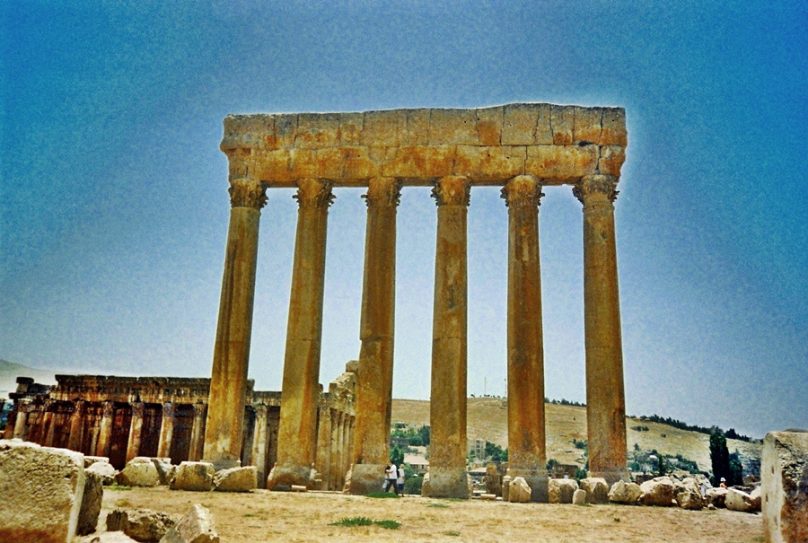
[[487, 420], [9, 371]]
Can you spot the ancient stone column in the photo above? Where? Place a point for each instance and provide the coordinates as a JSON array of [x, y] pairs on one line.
[[297, 436], [76, 426], [48, 424], [336, 423], [605, 397], [166, 431], [228, 383], [374, 390], [105, 429], [447, 460], [21, 422], [195, 448], [526, 434], [259, 444], [135, 431], [323, 462]]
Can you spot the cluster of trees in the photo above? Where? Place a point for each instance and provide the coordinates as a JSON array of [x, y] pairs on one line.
[[730, 434], [724, 464], [413, 437]]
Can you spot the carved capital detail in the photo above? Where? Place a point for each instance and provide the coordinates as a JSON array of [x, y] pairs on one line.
[[245, 192], [314, 193], [452, 190], [522, 191], [592, 185], [383, 192]]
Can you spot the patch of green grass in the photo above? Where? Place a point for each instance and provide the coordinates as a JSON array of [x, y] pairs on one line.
[[383, 495], [453, 533], [120, 488], [365, 521]]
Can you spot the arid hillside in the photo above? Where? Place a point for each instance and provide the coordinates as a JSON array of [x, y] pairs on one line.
[[487, 420]]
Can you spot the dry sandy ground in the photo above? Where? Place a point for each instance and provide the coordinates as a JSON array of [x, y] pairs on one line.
[[292, 517]]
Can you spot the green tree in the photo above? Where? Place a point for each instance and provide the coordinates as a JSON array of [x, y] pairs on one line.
[[423, 432], [735, 470], [719, 456], [396, 456]]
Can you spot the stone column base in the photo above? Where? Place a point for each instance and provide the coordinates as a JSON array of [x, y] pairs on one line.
[[537, 481], [366, 478], [612, 476], [283, 476], [446, 483]]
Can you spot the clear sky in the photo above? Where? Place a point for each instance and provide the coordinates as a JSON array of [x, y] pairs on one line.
[[114, 206]]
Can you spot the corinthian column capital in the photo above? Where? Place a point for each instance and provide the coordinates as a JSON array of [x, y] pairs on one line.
[[600, 187], [452, 190], [246, 192], [522, 191], [314, 193], [383, 192]]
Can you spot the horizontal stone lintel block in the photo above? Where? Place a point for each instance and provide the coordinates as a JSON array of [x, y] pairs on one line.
[[421, 165], [507, 125]]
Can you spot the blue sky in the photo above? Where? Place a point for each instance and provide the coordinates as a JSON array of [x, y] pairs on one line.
[[114, 207]]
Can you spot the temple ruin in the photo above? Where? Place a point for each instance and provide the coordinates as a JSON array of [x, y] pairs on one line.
[[520, 147]]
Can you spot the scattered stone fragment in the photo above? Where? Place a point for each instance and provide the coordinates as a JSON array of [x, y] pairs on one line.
[[41, 490], [625, 492], [658, 491], [488, 496], [688, 494], [519, 491], [738, 500], [142, 525], [90, 503], [195, 476], [561, 490], [597, 489], [784, 473], [299, 488], [506, 487], [240, 479], [195, 527], [756, 496], [103, 470], [90, 460], [717, 497], [138, 473], [493, 483], [579, 497]]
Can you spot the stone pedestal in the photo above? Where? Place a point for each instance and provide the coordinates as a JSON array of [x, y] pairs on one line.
[[605, 397], [228, 384], [297, 439], [374, 391], [447, 461], [526, 434]]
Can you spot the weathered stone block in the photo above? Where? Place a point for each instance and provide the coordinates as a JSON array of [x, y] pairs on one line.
[[382, 127], [421, 161], [142, 525], [579, 497], [717, 497], [357, 163], [519, 491], [194, 476], [317, 130], [658, 491], [544, 129], [42, 490], [613, 129], [738, 500], [139, 473], [489, 126], [195, 527], [303, 163], [416, 131], [519, 124], [597, 489], [90, 503], [506, 487], [489, 162], [241, 479], [784, 475], [104, 470], [625, 492], [90, 460], [586, 125], [562, 121], [688, 494], [561, 490], [453, 126], [611, 159], [561, 162]]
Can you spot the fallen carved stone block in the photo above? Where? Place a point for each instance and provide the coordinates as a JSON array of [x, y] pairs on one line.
[[561, 490], [241, 479], [197, 476], [142, 525], [624, 492], [195, 527], [784, 474]]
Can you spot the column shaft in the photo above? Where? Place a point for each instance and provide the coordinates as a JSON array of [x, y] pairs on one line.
[[21, 422], [105, 429], [259, 444], [135, 431], [526, 432], [166, 431], [297, 435], [76, 426], [228, 384], [374, 391], [323, 462], [605, 396], [447, 462], [195, 449]]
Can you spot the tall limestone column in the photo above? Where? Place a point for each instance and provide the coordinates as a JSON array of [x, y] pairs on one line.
[[297, 435], [259, 444], [374, 391], [105, 430], [228, 383], [447, 460], [21, 422], [195, 449], [323, 457], [135, 431], [166, 431], [77, 426], [605, 396], [526, 433]]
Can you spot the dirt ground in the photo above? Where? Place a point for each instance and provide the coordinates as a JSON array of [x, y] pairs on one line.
[[308, 517]]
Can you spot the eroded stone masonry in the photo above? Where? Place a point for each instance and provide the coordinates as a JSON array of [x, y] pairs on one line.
[[521, 147]]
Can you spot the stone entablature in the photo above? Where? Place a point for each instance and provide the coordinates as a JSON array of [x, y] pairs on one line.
[[556, 144], [133, 389]]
